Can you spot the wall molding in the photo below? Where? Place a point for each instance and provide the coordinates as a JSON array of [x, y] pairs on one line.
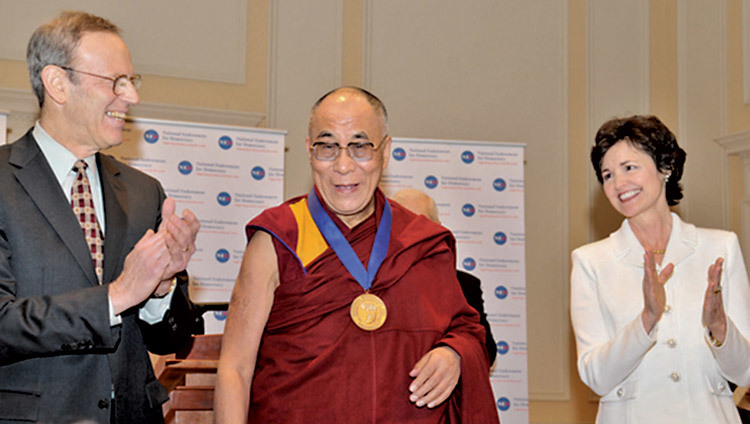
[[23, 106], [702, 105], [16, 100], [304, 62], [196, 114], [735, 144], [273, 58], [746, 50], [615, 87], [562, 391], [168, 38], [367, 25]]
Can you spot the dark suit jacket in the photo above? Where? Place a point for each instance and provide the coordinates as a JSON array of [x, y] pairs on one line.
[[60, 360], [472, 288]]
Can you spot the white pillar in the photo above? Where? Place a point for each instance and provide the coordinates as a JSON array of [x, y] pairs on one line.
[[739, 145]]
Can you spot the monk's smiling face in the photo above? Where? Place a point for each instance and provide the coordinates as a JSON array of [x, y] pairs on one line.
[[347, 186]]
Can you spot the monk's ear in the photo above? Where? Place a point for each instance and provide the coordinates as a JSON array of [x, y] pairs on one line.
[[56, 83], [308, 146], [386, 151]]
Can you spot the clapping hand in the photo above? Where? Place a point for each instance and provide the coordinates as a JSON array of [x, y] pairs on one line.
[[714, 317], [654, 295], [179, 235]]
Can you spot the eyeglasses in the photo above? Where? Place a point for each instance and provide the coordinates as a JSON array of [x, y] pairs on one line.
[[119, 83], [360, 152]]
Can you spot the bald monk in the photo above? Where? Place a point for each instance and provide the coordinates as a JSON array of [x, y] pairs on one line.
[[421, 204], [346, 308]]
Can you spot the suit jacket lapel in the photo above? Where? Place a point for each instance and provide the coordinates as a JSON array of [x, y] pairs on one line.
[[682, 243], [626, 245], [35, 176], [115, 207]]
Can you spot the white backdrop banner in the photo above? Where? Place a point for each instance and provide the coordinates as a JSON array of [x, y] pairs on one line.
[[3, 126], [226, 175], [479, 191]]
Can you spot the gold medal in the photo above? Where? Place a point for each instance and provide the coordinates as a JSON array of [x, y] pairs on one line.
[[368, 312]]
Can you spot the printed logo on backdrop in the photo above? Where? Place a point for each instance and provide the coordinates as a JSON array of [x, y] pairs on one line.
[[220, 315], [502, 347], [151, 136], [499, 184], [225, 142], [469, 264], [500, 238], [224, 198], [431, 182], [258, 173], [399, 154], [468, 210], [467, 156], [222, 255], [501, 292], [503, 403], [185, 167]]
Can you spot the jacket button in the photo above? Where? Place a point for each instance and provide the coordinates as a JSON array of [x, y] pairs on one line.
[[667, 309], [103, 404], [672, 343], [675, 376], [620, 392]]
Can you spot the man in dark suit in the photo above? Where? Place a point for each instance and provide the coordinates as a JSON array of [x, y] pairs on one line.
[[422, 204], [85, 290]]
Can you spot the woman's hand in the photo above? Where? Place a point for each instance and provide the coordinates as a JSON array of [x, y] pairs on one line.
[[654, 295], [713, 304]]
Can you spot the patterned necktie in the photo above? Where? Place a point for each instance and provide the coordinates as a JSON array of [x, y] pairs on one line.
[[83, 206]]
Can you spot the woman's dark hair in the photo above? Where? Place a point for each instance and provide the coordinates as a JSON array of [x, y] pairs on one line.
[[649, 135]]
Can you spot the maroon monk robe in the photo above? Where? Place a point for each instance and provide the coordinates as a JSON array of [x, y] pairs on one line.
[[316, 366]]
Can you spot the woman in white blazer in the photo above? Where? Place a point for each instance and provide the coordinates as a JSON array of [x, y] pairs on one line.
[[660, 308]]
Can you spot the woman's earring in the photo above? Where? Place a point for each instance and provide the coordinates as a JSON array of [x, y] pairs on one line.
[[666, 178]]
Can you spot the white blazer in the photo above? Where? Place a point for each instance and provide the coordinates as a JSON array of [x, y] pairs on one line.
[[674, 374]]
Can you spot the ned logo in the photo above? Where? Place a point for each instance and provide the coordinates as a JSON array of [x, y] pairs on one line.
[[224, 198], [185, 167], [469, 264], [467, 157], [431, 181], [501, 292], [499, 184], [258, 173], [399, 154], [225, 142], [503, 404], [151, 136], [222, 255]]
